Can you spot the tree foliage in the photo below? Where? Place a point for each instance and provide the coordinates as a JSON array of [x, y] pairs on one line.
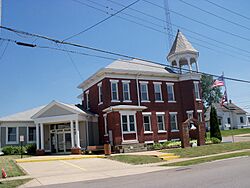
[[214, 124], [209, 95]]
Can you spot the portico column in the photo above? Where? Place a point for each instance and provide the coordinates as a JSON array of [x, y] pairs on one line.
[[77, 134], [42, 137], [197, 67], [189, 65], [37, 137], [72, 133]]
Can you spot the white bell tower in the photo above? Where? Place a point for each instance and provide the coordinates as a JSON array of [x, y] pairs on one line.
[[183, 55]]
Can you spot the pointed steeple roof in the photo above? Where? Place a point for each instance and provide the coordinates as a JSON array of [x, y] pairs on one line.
[[181, 45]]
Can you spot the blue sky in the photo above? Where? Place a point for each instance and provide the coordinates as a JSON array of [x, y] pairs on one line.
[[31, 76]]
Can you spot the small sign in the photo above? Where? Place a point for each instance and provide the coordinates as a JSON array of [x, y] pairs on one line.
[[21, 138]]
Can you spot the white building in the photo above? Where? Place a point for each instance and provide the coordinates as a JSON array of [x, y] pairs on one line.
[[229, 115]]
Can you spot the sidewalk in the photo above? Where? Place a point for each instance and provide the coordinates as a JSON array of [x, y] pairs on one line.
[[15, 178]]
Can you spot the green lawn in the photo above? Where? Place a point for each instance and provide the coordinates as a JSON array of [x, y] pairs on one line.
[[13, 183], [136, 159], [209, 149], [208, 159], [232, 132], [7, 162]]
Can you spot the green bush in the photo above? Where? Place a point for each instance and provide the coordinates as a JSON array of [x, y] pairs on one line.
[[214, 124], [31, 149], [16, 150], [215, 140], [157, 146]]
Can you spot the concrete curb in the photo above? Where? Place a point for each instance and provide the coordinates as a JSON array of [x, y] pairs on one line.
[[46, 159]]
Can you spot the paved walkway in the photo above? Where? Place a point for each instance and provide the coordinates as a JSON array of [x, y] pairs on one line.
[[237, 138]]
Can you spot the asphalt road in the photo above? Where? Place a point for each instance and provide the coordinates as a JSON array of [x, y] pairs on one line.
[[230, 173]]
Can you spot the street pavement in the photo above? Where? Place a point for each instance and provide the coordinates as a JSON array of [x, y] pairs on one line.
[[229, 173]]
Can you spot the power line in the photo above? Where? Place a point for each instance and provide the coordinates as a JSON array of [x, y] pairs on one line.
[[117, 54], [229, 10], [202, 23], [87, 29], [215, 15], [184, 28]]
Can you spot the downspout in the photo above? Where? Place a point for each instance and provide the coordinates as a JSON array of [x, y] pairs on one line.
[[0, 137], [138, 92]]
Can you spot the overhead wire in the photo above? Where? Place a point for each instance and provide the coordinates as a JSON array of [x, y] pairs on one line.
[[98, 23], [227, 9], [130, 57]]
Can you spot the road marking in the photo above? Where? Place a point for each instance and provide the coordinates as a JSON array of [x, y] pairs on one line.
[[70, 164]]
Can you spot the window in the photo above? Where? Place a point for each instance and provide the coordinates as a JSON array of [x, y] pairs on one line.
[[147, 122], [126, 90], [128, 123], [170, 90], [12, 135], [157, 89], [31, 134], [87, 100], [160, 122], [100, 93], [228, 120], [144, 91], [105, 125], [197, 90], [173, 121], [248, 119], [219, 121], [241, 119], [190, 114], [114, 90], [199, 113]]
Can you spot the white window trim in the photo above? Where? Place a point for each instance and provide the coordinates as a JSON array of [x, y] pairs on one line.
[[171, 84], [117, 91], [126, 82], [149, 142], [176, 122], [87, 99], [143, 82], [163, 121], [105, 125], [158, 83], [150, 124], [199, 111], [160, 141], [199, 95], [28, 141], [17, 135], [146, 113], [128, 113], [146, 83], [99, 85]]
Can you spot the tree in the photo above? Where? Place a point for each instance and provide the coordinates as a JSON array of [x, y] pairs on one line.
[[214, 124], [209, 95]]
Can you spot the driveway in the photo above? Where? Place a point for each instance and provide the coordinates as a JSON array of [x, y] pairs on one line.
[[66, 171], [237, 138]]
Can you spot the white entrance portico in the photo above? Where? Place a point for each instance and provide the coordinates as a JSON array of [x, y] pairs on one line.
[[62, 127]]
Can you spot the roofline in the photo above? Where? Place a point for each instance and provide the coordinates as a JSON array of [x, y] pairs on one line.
[[102, 73]]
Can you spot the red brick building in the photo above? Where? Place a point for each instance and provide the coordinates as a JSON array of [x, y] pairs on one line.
[[144, 102]]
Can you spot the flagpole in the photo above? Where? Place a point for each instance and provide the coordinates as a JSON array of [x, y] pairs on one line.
[[225, 87]]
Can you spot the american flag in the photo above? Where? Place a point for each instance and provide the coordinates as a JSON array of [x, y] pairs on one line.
[[219, 82], [223, 99]]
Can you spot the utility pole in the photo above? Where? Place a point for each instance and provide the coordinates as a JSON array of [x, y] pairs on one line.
[[168, 23]]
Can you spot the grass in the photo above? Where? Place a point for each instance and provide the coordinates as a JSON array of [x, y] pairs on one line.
[[208, 159], [7, 162], [136, 159], [232, 132], [209, 149], [13, 183]]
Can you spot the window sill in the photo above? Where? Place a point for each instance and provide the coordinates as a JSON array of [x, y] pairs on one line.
[[106, 135], [127, 101], [198, 100], [174, 131], [162, 131], [159, 101], [148, 132], [171, 101], [129, 132], [115, 101], [100, 103], [145, 101]]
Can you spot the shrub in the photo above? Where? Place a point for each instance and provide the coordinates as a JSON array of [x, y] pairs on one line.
[[30, 149], [215, 140], [214, 124], [157, 146]]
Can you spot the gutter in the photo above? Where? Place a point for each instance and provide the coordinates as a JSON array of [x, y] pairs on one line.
[[137, 88]]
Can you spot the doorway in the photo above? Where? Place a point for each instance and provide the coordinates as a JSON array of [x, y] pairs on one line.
[[60, 140]]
